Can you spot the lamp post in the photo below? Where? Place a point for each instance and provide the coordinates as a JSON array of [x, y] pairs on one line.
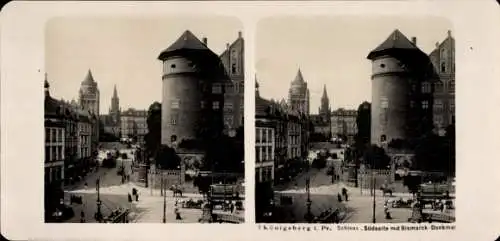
[[98, 214], [309, 202], [164, 201]]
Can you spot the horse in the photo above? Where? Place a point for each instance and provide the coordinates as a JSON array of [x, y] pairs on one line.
[[176, 191], [385, 191]]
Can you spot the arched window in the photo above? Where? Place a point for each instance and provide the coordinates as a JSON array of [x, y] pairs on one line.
[[443, 67]]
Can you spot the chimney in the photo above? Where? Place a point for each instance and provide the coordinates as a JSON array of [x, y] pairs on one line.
[[227, 45], [414, 40], [437, 44], [449, 33], [240, 35], [205, 40]]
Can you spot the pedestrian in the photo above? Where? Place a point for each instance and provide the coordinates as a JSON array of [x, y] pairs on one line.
[[82, 217], [86, 185], [137, 197], [339, 197], [129, 198]]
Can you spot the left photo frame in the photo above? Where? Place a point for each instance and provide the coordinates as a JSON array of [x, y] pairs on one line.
[[143, 120]]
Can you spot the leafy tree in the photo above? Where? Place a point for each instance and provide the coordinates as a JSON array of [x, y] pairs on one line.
[[167, 158], [153, 137], [363, 122], [376, 157], [412, 183]]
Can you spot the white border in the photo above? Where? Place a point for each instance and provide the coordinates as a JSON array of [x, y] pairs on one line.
[[22, 54]]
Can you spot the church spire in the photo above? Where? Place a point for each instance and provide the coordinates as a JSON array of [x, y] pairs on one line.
[[325, 95], [115, 94], [46, 86]]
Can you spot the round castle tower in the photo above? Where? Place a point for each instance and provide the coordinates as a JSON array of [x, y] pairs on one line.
[[187, 89], [396, 86]]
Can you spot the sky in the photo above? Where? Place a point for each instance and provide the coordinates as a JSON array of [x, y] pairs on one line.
[[123, 52], [331, 51]]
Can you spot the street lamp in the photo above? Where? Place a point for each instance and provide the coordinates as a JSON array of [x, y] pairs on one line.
[[98, 214], [164, 200], [309, 202]]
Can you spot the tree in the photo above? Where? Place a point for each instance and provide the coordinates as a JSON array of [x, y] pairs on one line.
[[153, 138], [376, 157], [412, 183], [363, 122], [167, 158]]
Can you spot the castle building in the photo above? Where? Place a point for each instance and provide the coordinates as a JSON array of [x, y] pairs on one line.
[[193, 91], [233, 59], [298, 95], [111, 121], [402, 90], [443, 59]]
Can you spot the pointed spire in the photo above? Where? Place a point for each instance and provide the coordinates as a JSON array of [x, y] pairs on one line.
[[325, 95], [89, 79], [299, 79], [46, 85], [115, 94]]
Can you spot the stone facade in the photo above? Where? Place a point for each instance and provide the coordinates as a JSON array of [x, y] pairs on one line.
[[443, 59], [193, 91], [401, 90]]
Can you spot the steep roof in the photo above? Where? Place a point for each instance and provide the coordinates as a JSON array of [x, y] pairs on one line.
[[187, 41], [261, 106], [299, 79], [325, 95], [396, 40], [89, 79]]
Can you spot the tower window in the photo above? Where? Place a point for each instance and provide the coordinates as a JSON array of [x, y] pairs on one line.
[[172, 66], [202, 104], [443, 67], [175, 104], [173, 120], [382, 65], [384, 102], [233, 69]]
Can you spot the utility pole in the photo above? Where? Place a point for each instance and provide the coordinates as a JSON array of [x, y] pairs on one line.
[[309, 202], [164, 201], [374, 195], [98, 214]]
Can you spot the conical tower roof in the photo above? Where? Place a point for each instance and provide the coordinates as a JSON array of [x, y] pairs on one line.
[[89, 79], [187, 41], [299, 79], [395, 41], [325, 95], [115, 93], [46, 84]]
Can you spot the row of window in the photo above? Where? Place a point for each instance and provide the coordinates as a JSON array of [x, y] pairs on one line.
[[294, 140], [264, 135], [264, 153], [84, 152], [264, 174], [294, 152], [53, 174], [54, 135], [54, 153], [439, 105]]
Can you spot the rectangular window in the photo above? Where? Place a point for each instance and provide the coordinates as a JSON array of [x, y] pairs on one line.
[[257, 154], [242, 87], [258, 136], [264, 135], [216, 89], [452, 104], [452, 86], [202, 104], [425, 104], [47, 154], [173, 119], [438, 105], [52, 135], [229, 88], [175, 103], [215, 105], [228, 106], [384, 102], [47, 134], [426, 87]]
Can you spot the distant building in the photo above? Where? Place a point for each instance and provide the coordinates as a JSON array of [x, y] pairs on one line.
[[343, 124], [443, 59], [233, 59], [134, 124], [322, 121], [298, 95], [402, 90], [89, 100]]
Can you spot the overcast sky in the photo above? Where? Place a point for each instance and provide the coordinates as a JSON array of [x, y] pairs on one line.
[[122, 51], [331, 51]]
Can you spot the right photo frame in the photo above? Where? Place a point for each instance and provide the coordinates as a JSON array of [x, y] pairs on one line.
[[354, 119]]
